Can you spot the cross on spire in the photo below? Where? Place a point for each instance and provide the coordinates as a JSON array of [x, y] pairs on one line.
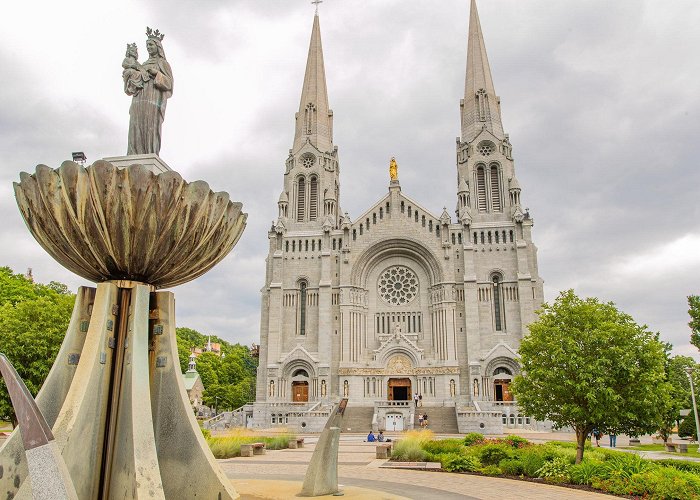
[[316, 2]]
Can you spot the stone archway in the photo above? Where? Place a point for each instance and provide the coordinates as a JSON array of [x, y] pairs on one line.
[[399, 389]]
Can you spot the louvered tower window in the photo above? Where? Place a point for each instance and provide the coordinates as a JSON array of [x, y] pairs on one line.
[[302, 308], [495, 189], [481, 188], [498, 311], [313, 198], [301, 199]]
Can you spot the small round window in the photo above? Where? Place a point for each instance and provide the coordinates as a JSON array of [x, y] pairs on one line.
[[486, 148], [307, 160]]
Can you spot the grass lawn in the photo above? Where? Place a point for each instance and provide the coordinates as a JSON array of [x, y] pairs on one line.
[[5, 426], [692, 450]]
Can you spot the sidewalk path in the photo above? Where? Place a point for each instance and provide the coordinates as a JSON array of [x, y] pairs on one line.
[[357, 466]]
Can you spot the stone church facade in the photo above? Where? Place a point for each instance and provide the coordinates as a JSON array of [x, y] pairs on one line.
[[399, 300]]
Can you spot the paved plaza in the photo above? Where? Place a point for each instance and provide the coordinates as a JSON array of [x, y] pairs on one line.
[[358, 468]]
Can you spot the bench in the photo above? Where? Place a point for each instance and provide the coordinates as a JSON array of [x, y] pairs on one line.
[[296, 443], [384, 450], [250, 449], [677, 447]]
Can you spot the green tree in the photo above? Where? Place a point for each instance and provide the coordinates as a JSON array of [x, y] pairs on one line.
[[586, 364], [229, 379], [679, 393], [687, 427], [694, 324], [33, 322]]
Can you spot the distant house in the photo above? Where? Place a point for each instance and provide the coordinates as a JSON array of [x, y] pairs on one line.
[[213, 347], [194, 386]]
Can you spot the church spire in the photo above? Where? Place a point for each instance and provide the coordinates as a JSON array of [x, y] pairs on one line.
[[481, 107], [314, 121]]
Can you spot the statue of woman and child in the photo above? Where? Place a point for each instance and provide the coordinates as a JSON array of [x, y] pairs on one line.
[[150, 84]]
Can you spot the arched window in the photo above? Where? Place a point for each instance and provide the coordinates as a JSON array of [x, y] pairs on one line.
[[498, 312], [302, 308], [313, 198], [301, 199], [502, 370], [481, 188], [495, 189], [300, 373]]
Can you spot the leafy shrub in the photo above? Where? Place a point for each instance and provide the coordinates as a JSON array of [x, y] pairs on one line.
[[567, 453], [511, 466], [625, 465], [515, 441], [444, 446], [668, 483], [532, 461], [570, 444], [491, 454], [230, 445], [491, 470], [455, 462], [683, 465], [556, 470], [597, 455], [687, 427], [206, 433], [584, 472], [473, 438], [550, 452], [659, 483], [408, 450]]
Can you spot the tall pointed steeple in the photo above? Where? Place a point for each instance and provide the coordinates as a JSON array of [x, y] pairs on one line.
[[311, 191], [481, 106], [314, 121]]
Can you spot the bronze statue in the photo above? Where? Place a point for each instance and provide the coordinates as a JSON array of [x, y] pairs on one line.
[[150, 84]]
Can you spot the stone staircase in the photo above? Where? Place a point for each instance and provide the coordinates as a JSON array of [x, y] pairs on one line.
[[358, 419], [441, 419]]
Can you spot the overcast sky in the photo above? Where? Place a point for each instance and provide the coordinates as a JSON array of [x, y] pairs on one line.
[[600, 98]]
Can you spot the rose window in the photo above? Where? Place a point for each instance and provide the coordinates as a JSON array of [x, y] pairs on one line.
[[486, 148], [308, 160], [398, 285]]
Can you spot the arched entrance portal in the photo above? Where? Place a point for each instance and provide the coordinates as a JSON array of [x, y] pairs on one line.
[[501, 385], [399, 389], [300, 392]]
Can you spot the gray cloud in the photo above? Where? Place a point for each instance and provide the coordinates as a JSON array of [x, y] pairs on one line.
[[600, 100]]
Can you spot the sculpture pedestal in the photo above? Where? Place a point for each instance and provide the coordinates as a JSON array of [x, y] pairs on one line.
[[117, 405], [151, 161]]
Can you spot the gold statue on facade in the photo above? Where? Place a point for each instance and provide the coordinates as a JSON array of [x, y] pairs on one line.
[[393, 169]]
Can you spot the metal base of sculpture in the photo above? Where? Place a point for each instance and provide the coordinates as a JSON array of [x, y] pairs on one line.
[[114, 399], [117, 405], [322, 474]]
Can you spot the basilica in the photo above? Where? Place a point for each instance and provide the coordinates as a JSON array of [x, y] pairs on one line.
[[398, 301]]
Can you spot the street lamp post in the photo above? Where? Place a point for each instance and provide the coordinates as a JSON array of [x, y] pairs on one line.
[[689, 371]]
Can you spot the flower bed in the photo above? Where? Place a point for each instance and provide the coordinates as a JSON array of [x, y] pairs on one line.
[[229, 445], [610, 471]]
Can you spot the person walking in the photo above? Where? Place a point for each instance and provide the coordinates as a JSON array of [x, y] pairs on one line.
[[420, 399], [597, 435], [425, 420], [613, 440], [415, 399], [420, 420]]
